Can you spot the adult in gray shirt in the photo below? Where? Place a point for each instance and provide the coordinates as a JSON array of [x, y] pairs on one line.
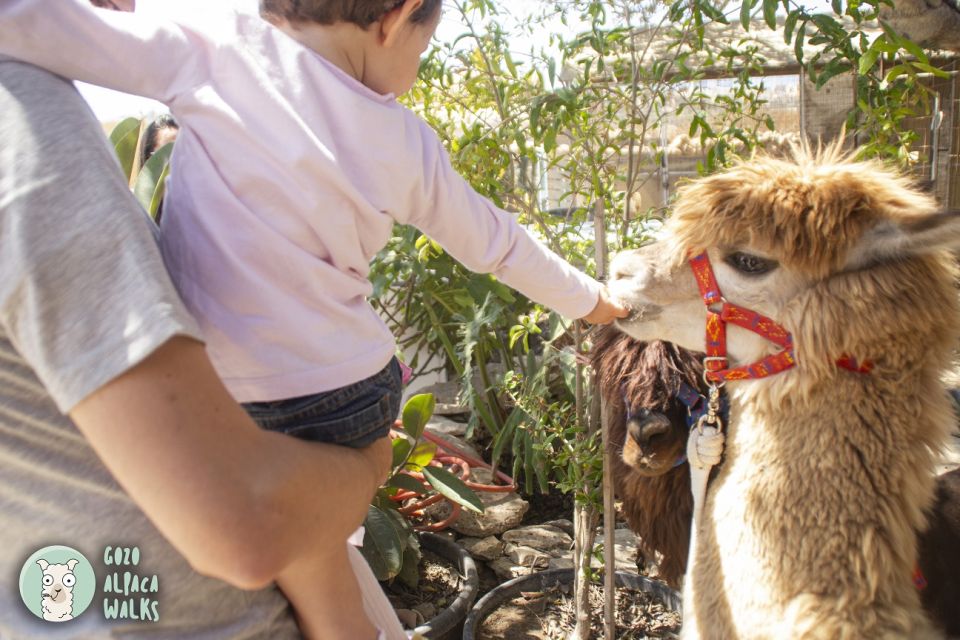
[[114, 429]]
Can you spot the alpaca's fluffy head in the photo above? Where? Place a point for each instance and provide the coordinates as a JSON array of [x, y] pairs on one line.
[[640, 381], [845, 254]]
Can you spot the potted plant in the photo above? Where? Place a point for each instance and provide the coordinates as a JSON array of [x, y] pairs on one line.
[[392, 545]]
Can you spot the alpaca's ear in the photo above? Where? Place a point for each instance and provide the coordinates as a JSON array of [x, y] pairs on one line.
[[43, 564], [71, 563], [891, 240]]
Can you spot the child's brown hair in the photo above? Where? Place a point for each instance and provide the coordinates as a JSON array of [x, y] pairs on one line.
[[362, 13]]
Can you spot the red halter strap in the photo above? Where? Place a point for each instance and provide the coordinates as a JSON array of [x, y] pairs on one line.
[[715, 364]]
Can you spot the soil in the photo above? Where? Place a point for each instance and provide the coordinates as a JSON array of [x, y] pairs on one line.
[[547, 506], [550, 616], [440, 583]]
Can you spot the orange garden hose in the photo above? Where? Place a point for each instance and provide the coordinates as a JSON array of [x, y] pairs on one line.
[[459, 462]]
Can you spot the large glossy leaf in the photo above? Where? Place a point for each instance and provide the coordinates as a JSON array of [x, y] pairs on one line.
[[422, 454], [453, 488], [401, 449], [410, 571], [417, 413], [408, 483], [381, 544], [150, 179], [124, 138]]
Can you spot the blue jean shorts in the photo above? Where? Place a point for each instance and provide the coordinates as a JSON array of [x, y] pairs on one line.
[[352, 416]]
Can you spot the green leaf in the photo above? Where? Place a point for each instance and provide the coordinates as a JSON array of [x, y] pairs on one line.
[[417, 413], [159, 192], [408, 483], [506, 433], [150, 178], [453, 488], [124, 138], [837, 6], [381, 544], [422, 455], [924, 67], [770, 13], [745, 10], [868, 59], [410, 571], [789, 25], [798, 44], [832, 69], [401, 449]]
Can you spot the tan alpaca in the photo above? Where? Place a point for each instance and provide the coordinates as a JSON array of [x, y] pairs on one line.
[[58, 582], [808, 528]]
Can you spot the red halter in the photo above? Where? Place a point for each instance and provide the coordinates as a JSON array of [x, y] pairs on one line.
[[715, 364]]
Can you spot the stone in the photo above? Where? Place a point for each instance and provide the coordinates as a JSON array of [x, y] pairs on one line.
[[563, 524], [447, 397], [502, 511], [459, 443], [565, 562], [443, 426], [541, 536], [507, 570], [489, 548], [409, 618], [426, 610], [527, 557], [624, 550]]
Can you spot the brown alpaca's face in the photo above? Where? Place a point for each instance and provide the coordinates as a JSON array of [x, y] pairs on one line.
[[654, 441]]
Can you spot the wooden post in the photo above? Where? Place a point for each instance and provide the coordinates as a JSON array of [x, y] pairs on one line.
[[609, 510], [585, 518]]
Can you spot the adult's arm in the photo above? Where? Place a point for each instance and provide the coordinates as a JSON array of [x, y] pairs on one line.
[[240, 503], [87, 303], [118, 50]]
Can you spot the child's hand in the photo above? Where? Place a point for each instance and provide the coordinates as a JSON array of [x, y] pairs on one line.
[[607, 310]]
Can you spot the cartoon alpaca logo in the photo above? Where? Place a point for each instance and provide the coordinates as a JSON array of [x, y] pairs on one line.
[[58, 582]]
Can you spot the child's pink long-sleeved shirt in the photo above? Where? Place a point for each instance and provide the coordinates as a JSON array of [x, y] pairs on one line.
[[287, 178]]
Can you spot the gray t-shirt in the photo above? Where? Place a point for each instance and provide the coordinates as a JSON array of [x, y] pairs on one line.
[[84, 297]]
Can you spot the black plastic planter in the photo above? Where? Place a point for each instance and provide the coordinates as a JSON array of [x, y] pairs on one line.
[[447, 625], [546, 580]]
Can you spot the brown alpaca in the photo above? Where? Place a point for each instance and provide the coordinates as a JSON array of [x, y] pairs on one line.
[[809, 527], [655, 489]]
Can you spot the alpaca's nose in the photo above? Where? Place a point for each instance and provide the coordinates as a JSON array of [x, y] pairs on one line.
[[646, 428]]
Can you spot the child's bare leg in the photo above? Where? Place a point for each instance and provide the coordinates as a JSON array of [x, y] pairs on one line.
[[324, 593]]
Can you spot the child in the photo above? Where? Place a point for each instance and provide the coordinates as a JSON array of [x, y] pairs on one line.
[[293, 162]]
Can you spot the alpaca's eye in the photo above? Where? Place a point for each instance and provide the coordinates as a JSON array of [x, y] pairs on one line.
[[47, 580], [69, 580], [749, 264]]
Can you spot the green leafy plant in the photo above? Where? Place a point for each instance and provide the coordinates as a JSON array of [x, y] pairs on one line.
[[149, 181], [390, 543]]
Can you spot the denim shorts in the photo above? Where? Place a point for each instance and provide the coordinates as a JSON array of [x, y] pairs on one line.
[[353, 416]]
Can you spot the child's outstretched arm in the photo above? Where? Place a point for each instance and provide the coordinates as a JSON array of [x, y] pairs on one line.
[[123, 51], [487, 239]]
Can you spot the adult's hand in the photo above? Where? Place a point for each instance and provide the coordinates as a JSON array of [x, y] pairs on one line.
[[241, 504]]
